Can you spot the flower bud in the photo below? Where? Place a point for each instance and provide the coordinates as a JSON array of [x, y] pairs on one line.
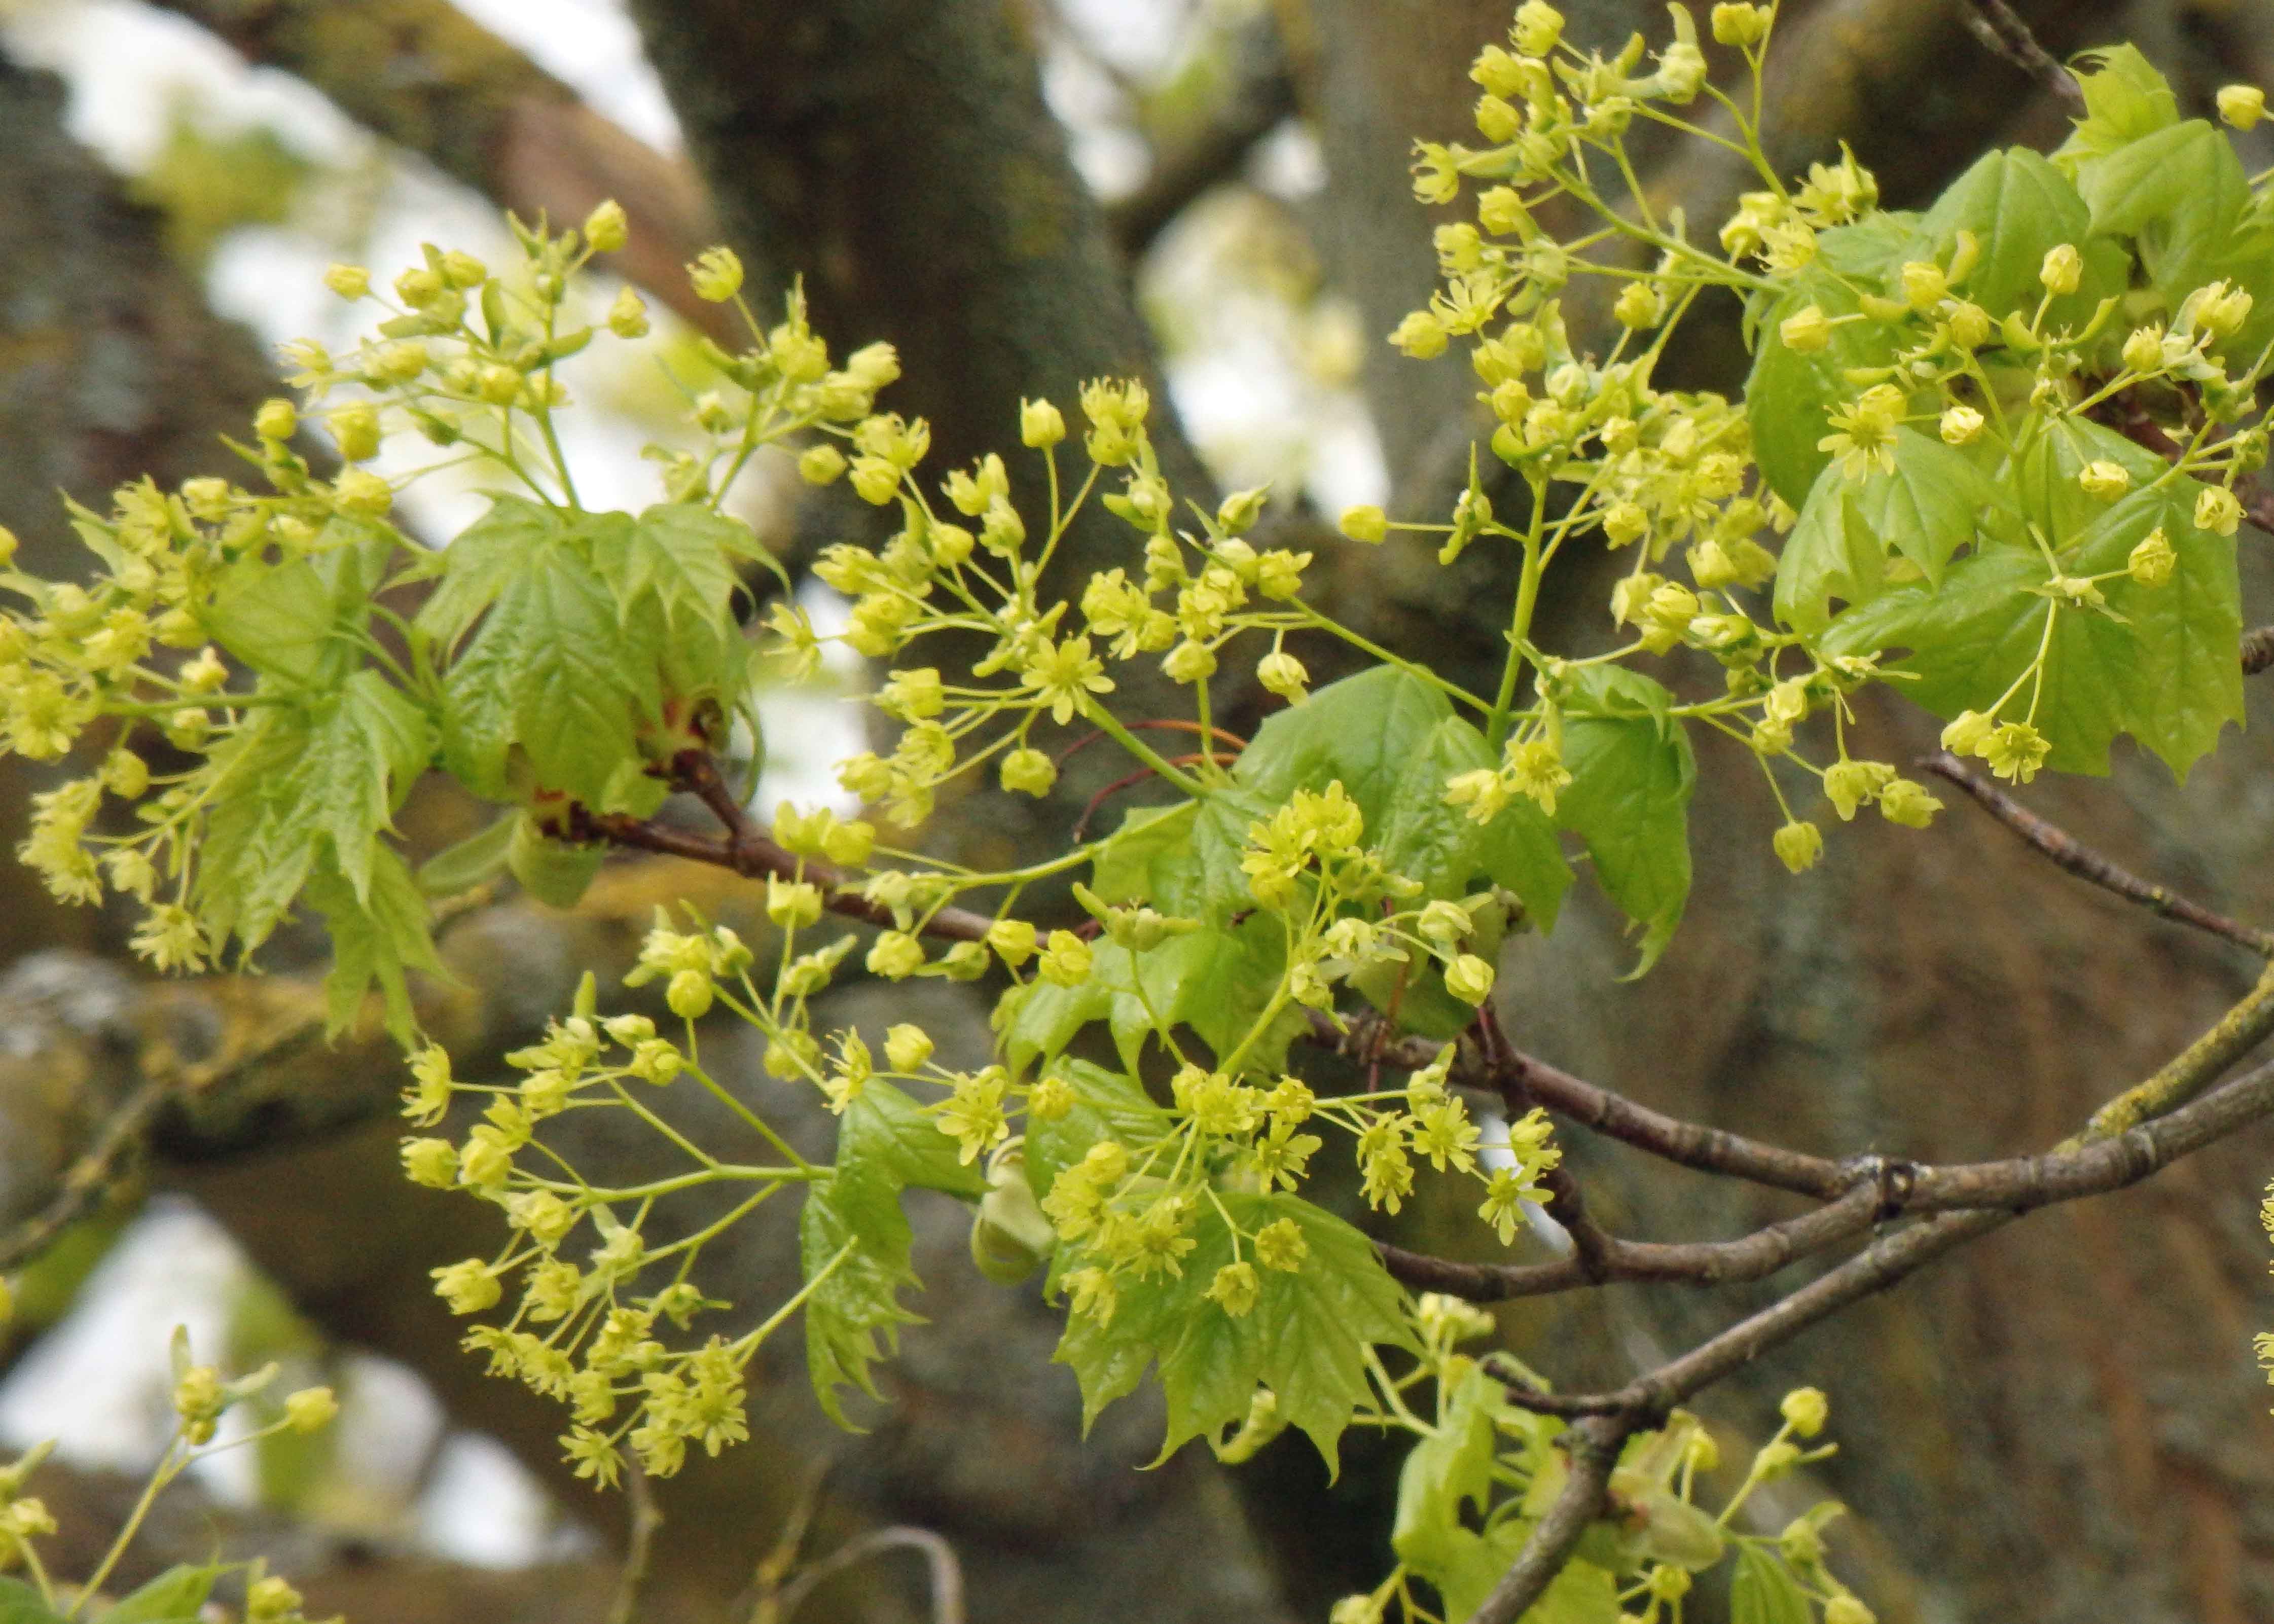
[[350, 282], [628, 315], [1805, 1409], [431, 1163], [1960, 425], [2104, 479], [310, 1409], [2241, 106], [1012, 939], [906, 1047], [1798, 845], [605, 229], [277, 419], [1366, 523], [1808, 330], [1041, 424], [1742, 25], [820, 464], [2061, 269], [1966, 732], [1469, 979], [690, 993], [896, 956], [1970, 324], [1924, 284], [1282, 674]]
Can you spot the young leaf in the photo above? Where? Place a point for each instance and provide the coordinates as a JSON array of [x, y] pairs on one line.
[[2018, 206], [2179, 190], [1826, 556], [856, 1231], [1106, 1105], [21, 1604], [1764, 1591], [885, 1144], [1629, 799], [379, 935], [482, 560], [1451, 1468], [1304, 1339], [1791, 392], [2165, 671], [173, 1597]]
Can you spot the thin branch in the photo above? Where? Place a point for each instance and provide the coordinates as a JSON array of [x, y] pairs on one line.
[[85, 1179], [1998, 26], [2258, 650], [749, 850], [2067, 852], [939, 1560], [640, 1546], [1694, 1263], [1993, 1194], [1671, 1139], [1594, 1443]]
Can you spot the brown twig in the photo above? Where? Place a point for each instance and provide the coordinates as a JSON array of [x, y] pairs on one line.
[[748, 850], [1997, 25], [1670, 1139], [2067, 852], [2258, 649], [1614, 1260], [1593, 1443], [84, 1180]]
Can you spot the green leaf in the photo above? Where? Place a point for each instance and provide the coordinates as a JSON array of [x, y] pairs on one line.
[[473, 860], [1629, 799], [1931, 506], [1582, 1593], [1790, 393], [885, 1143], [1764, 1591], [1827, 556], [2046, 479], [2180, 191], [2166, 671], [298, 620], [1304, 1338], [2018, 206], [173, 1597], [364, 753], [1359, 730], [21, 1604], [483, 559], [552, 670], [855, 1229], [2125, 99], [1106, 1105], [379, 935], [885, 1134], [684, 553], [1450, 1467]]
